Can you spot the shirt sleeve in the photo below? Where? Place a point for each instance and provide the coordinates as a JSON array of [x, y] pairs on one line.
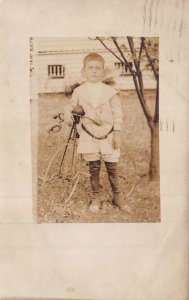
[[116, 107], [72, 102]]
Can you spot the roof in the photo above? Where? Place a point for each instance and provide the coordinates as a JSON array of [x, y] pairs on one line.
[[71, 44]]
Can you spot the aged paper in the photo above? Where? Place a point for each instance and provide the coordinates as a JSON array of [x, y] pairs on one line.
[[93, 261]]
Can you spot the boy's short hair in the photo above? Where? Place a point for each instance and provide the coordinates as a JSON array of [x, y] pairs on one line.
[[93, 57]]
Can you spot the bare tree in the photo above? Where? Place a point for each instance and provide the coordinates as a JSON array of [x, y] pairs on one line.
[[146, 51]]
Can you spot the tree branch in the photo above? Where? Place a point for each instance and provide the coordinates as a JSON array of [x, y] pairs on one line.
[[109, 49], [140, 52], [150, 61], [141, 99], [131, 45], [123, 56], [137, 66], [143, 104], [133, 73]]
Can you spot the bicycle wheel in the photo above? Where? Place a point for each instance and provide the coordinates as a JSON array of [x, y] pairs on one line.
[[126, 173], [57, 178]]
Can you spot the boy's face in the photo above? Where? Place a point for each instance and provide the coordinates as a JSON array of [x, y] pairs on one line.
[[93, 71]]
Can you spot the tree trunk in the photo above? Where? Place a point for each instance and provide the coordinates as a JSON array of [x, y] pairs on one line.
[[154, 162]]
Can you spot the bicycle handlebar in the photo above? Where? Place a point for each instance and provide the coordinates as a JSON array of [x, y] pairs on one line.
[[61, 118]]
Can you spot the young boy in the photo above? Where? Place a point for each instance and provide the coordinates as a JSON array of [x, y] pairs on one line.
[[100, 130]]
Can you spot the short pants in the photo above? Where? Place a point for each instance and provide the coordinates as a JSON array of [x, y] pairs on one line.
[[114, 157]]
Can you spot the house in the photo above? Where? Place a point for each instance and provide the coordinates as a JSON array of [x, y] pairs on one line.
[[58, 62]]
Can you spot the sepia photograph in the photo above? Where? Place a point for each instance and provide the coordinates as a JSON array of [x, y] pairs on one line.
[[95, 129]]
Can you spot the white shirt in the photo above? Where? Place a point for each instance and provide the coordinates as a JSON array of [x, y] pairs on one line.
[[95, 92]]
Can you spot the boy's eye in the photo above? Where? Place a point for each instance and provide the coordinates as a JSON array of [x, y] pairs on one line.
[[94, 68]]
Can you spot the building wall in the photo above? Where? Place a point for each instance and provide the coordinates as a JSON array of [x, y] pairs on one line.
[[72, 61]]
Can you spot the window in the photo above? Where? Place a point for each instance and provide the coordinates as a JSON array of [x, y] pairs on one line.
[[56, 71], [124, 70]]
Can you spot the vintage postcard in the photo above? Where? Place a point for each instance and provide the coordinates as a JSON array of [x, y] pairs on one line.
[[94, 149]]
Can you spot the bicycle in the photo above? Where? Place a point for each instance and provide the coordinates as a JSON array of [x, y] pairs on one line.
[[65, 172]]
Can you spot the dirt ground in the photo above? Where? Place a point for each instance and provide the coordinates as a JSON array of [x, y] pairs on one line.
[[66, 198]]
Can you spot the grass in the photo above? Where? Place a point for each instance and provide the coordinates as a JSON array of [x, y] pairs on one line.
[[144, 200]]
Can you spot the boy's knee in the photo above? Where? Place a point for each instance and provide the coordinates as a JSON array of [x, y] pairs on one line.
[[94, 167], [111, 165]]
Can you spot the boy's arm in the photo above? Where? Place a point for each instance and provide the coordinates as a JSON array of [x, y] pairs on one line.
[[69, 107], [116, 107]]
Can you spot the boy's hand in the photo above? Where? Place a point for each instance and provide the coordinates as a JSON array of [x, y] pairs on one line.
[[68, 118], [116, 139]]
